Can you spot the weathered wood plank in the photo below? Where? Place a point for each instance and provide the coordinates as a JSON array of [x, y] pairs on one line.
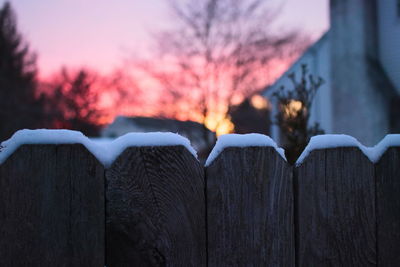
[[155, 209], [52, 207], [335, 200], [250, 209], [387, 172]]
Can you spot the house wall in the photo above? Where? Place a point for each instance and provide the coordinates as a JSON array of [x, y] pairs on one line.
[[355, 99], [359, 108], [321, 110], [389, 39]]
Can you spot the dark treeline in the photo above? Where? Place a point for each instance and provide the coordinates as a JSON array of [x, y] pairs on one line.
[[71, 101], [67, 101], [20, 107]]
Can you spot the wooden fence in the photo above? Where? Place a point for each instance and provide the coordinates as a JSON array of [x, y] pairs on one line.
[[157, 206]]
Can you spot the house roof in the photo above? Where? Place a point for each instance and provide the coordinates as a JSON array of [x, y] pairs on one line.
[[171, 125], [269, 90]]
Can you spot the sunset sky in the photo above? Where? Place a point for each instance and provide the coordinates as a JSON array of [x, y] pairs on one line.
[[101, 34]]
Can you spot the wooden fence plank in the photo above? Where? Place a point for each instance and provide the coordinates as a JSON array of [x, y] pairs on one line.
[[155, 209], [250, 209], [335, 200], [52, 207], [388, 207]]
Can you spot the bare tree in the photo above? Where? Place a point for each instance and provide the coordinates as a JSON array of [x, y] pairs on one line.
[[72, 101], [85, 100], [219, 52], [120, 93]]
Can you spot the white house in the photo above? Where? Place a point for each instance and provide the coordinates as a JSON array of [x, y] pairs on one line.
[[359, 59], [193, 131]]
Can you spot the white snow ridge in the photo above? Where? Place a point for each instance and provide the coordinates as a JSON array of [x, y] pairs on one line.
[[242, 140], [341, 140], [105, 152]]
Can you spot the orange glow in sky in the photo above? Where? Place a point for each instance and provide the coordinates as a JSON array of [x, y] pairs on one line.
[[103, 34]]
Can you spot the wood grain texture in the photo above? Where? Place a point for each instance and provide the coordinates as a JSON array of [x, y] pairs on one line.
[[155, 209], [52, 207], [387, 172], [250, 209], [335, 202]]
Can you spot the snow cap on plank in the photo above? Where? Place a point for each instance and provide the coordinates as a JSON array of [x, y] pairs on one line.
[[116, 147], [42, 136], [105, 152], [242, 140], [341, 140]]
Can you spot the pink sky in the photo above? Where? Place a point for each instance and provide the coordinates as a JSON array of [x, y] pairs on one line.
[[100, 34]]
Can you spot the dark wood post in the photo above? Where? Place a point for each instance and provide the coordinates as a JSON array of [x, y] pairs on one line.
[[388, 207], [156, 208], [52, 207], [250, 209], [335, 214]]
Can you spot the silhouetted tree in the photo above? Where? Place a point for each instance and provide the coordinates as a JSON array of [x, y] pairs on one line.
[[218, 52], [294, 113], [72, 102], [19, 106]]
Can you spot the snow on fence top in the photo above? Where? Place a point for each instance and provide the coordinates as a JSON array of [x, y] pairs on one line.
[[116, 147], [242, 140], [105, 152], [341, 140]]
